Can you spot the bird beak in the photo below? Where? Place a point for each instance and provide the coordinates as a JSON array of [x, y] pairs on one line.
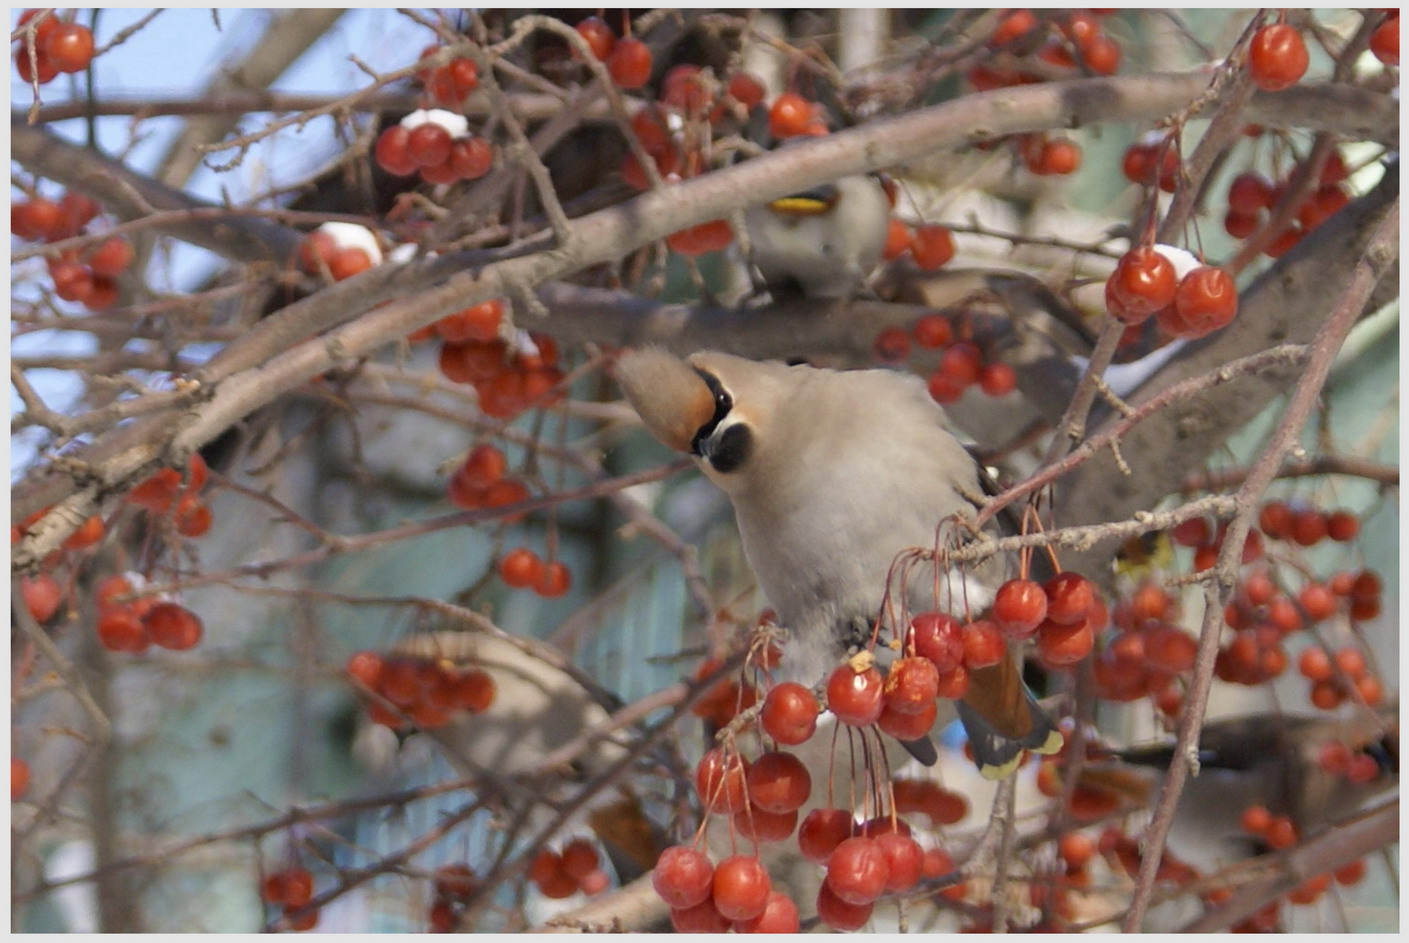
[[672, 399]]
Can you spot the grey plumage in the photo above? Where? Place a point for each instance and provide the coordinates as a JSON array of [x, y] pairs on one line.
[[822, 244], [832, 475]]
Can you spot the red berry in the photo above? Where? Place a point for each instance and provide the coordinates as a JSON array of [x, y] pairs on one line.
[[69, 47], [428, 144], [838, 914], [1384, 41], [857, 871], [1055, 158], [1277, 57], [962, 363], [1019, 607], [983, 645], [554, 581], [520, 568], [1070, 596], [1308, 527], [1064, 643], [580, 858], [120, 630], [741, 887], [704, 917], [42, 596], [761, 827], [1144, 280], [1206, 300], [112, 257], [1250, 193], [1342, 526], [931, 246], [19, 778], [892, 345], [789, 115], [599, 36], [36, 220], [790, 713], [778, 782], [172, 626], [997, 379], [710, 236], [779, 916], [822, 830], [938, 637], [192, 516], [1239, 225], [912, 685], [855, 697], [391, 151], [1318, 601], [721, 779], [471, 158], [630, 63], [746, 89], [933, 331], [904, 859]]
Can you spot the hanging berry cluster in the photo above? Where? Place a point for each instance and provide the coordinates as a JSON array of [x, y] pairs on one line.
[[577, 867], [60, 47], [87, 276], [426, 692], [291, 889], [962, 363]]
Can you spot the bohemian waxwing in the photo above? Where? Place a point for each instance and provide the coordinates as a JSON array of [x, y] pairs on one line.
[[1277, 761], [822, 243], [832, 474]]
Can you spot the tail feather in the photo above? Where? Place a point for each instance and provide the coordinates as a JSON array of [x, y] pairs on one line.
[[1002, 719]]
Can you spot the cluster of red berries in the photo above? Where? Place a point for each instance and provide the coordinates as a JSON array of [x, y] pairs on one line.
[[422, 691], [1147, 653], [1047, 156], [1153, 161], [930, 245], [628, 59], [1332, 675], [85, 276], [1357, 768], [521, 568], [321, 252], [167, 493], [454, 885], [1251, 194], [42, 593], [1147, 283], [59, 46], [791, 115], [1279, 832], [435, 143], [961, 363], [576, 868], [508, 380], [450, 84], [1071, 40], [480, 482], [687, 95], [1063, 616], [19, 778], [134, 626], [291, 889], [863, 862]]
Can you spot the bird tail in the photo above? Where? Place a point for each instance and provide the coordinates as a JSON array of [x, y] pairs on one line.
[[1002, 719]]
